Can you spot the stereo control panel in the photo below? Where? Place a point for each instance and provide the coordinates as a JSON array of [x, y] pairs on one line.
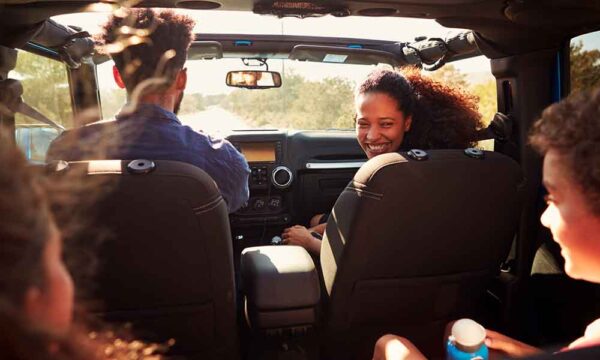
[[269, 181]]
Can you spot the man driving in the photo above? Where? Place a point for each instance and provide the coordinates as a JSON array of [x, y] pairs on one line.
[[149, 49]]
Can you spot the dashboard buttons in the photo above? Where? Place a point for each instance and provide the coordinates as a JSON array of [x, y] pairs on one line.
[[281, 177], [274, 203], [259, 204], [258, 175]]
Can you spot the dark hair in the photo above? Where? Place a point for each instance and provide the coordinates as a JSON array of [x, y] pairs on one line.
[[159, 31], [572, 128], [24, 224], [443, 117], [22, 340], [28, 208]]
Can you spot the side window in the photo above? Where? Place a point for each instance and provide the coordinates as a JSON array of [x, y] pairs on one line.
[[585, 61], [45, 88]]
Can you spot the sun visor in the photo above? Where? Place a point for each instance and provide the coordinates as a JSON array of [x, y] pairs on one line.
[[342, 55], [17, 36]]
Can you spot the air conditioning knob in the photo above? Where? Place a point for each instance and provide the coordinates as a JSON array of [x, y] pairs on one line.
[[282, 177]]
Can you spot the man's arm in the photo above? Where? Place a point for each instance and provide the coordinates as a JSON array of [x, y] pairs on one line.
[[232, 176]]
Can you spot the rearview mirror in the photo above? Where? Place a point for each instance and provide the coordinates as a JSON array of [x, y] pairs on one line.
[[253, 79]]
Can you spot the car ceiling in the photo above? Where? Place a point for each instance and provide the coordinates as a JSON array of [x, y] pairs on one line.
[[503, 27]]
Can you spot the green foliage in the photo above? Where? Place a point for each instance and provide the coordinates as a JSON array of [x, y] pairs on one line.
[[192, 103], [449, 74], [304, 104], [298, 104], [45, 87], [488, 101], [585, 67]]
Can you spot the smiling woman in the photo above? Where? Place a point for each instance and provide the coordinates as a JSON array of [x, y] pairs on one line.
[[380, 124], [407, 110]]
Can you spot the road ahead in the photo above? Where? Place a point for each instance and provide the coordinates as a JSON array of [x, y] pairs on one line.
[[214, 120]]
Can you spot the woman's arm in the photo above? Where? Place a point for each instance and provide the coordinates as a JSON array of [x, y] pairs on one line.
[[509, 346], [301, 236]]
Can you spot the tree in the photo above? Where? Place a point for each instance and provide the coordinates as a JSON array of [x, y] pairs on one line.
[[298, 104], [488, 101], [45, 87], [192, 103], [585, 67], [449, 74]]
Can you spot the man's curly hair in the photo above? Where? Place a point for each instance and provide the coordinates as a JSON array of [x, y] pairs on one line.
[[572, 128], [443, 117], [138, 42]]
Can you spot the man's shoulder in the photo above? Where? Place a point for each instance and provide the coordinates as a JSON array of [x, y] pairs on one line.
[[89, 129], [79, 140], [206, 140]]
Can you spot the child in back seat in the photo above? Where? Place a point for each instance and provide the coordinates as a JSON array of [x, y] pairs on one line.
[[568, 136]]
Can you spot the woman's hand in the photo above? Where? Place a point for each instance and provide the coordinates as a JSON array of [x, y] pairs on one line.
[[315, 220], [509, 346], [299, 235], [320, 229]]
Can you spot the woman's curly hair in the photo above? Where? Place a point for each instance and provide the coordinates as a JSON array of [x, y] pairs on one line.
[[572, 128], [443, 116]]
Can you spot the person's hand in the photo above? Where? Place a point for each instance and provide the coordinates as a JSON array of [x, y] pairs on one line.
[[591, 336], [392, 347], [320, 229], [509, 346], [315, 220], [299, 235]]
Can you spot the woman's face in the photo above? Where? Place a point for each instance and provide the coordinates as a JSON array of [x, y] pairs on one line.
[[380, 126], [51, 305], [573, 225]]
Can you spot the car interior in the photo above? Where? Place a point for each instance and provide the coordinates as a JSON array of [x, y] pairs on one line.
[[415, 239]]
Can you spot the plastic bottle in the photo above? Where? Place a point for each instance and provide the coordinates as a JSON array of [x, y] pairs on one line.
[[467, 341]]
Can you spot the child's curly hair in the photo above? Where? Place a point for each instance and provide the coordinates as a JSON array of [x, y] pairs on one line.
[[572, 128]]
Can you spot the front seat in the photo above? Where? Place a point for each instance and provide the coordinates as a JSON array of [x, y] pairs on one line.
[[167, 266], [412, 243]]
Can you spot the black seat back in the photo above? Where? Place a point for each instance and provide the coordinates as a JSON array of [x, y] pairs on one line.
[[167, 266], [411, 245]]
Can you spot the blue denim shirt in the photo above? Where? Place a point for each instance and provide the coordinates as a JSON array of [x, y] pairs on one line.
[[154, 133]]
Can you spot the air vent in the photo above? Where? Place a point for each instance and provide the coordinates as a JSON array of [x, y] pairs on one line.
[[198, 4], [377, 12]]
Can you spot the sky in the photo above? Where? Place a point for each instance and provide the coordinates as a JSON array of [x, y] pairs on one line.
[[384, 28]]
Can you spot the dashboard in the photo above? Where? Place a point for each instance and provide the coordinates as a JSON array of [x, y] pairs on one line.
[[293, 174]]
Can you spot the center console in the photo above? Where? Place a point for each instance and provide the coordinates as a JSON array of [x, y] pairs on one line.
[[268, 182]]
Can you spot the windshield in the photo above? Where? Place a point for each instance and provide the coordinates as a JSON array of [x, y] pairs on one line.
[[312, 96]]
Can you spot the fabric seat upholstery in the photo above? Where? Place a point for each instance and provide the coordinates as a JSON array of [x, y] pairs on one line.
[[167, 266], [411, 245]]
